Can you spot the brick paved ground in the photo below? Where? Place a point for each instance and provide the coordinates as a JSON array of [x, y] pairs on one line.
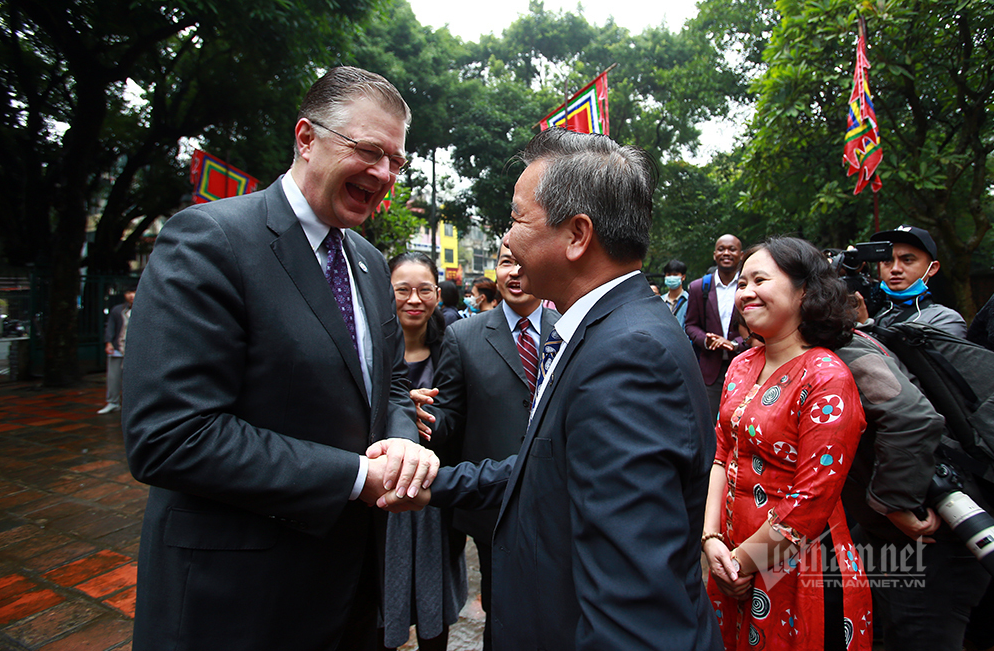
[[70, 521]]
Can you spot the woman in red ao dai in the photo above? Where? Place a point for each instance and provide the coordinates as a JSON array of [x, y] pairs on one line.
[[783, 570]]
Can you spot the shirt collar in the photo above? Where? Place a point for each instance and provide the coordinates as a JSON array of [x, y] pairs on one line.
[[569, 322], [314, 228], [718, 283], [535, 318]]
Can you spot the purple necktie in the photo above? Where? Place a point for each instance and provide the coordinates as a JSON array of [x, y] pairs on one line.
[[337, 274]]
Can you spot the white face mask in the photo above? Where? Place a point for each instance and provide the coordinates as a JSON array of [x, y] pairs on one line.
[[473, 303]]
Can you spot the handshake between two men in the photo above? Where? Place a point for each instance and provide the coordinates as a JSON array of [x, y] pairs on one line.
[[398, 475]]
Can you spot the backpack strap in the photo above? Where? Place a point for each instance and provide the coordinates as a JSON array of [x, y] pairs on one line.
[[706, 281]]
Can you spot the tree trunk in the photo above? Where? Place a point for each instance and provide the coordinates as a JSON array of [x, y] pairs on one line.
[[62, 330]]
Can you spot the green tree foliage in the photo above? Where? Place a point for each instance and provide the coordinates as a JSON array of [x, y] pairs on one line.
[[420, 62], [75, 147], [933, 81], [663, 85], [391, 230]]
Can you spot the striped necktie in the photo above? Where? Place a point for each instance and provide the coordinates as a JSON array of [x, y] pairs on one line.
[[529, 356]]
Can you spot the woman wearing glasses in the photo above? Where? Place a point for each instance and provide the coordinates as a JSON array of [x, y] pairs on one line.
[[425, 570]]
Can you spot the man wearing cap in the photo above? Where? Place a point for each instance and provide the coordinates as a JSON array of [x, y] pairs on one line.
[[904, 279]]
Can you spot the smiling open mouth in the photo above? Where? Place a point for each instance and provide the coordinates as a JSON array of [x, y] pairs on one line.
[[359, 194]]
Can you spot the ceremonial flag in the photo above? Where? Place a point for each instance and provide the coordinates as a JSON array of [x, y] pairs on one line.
[[213, 179], [862, 149], [385, 204], [585, 112]]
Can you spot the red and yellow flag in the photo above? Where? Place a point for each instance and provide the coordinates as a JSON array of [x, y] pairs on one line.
[[862, 149], [213, 179], [585, 112]]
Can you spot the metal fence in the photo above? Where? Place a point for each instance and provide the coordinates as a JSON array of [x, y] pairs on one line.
[[24, 298]]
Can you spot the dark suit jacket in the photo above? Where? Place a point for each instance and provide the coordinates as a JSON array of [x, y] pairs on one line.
[[482, 405], [597, 545], [115, 321], [700, 322], [246, 411]]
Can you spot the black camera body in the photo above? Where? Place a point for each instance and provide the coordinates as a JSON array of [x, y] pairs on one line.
[[851, 266], [968, 520]]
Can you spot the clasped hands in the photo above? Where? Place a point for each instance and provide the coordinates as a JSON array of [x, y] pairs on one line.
[[726, 570], [398, 475], [714, 342]]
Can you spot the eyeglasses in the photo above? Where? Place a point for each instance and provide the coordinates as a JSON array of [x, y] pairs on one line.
[[368, 152], [425, 292]]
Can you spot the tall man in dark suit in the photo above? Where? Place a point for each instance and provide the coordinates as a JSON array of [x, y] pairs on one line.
[[597, 541], [485, 382], [272, 395], [711, 321]]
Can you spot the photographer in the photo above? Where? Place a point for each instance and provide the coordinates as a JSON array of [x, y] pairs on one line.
[[904, 280], [923, 591], [919, 604]]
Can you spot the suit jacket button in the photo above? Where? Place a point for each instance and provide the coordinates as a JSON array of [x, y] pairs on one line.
[[526, 404]]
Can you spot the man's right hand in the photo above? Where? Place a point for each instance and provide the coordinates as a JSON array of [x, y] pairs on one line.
[[913, 528]]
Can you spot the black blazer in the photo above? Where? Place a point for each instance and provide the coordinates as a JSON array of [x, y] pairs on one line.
[[481, 410], [246, 411], [597, 545]]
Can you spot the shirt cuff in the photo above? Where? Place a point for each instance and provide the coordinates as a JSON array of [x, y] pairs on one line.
[[360, 479]]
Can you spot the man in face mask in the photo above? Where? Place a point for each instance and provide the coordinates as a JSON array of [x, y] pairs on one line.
[[904, 280]]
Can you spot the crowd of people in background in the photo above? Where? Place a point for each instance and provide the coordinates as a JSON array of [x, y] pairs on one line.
[[600, 437]]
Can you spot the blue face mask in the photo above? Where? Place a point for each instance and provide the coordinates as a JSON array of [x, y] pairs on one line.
[[672, 282], [916, 288]]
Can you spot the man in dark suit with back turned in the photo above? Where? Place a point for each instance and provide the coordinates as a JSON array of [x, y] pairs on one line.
[[711, 322], [597, 545], [484, 392], [272, 396]]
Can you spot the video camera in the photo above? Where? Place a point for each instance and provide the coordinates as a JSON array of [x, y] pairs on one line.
[[851, 265]]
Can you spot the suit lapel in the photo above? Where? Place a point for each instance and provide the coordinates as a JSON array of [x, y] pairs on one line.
[[295, 254], [631, 289], [500, 337], [713, 311], [548, 323]]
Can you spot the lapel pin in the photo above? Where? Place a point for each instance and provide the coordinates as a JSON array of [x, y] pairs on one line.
[[362, 265]]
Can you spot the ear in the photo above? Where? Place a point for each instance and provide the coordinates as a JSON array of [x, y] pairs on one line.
[[305, 138], [932, 270], [580, 231]]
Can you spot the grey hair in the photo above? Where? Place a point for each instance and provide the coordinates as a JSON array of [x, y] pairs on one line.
[[593, 175], [329, 101]]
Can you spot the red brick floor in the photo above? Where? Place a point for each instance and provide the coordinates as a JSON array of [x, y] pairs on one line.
[[70, 519], [70, 522]]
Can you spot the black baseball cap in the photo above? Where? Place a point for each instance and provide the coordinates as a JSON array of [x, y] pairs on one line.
[[912, 235]]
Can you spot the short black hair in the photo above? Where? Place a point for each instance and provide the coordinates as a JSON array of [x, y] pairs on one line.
[[827, 315], [674, 266], [450, 293]]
